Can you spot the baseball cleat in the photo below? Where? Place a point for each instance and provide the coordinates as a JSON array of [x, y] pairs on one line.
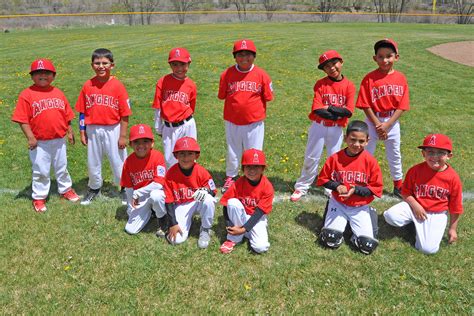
[[123, 196], [162, 227], [204, 238], [39, 206], [227, 184], [71, 195], [90, 196], [398, 193], [227, 246], [296, 196]]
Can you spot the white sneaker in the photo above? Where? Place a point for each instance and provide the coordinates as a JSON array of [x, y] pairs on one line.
[[327, 192], [204, 238], [297, 195]]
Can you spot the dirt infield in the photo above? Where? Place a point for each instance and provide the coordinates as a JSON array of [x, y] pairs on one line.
[[459, 52]]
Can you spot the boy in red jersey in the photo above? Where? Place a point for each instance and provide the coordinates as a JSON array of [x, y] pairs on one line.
[[354, 177], [44, 115], [174, 103], [247, 204], [384, 96], [104, 108], [333, 104], [189, 188], [143, 178], [246, 90], [431, 189]]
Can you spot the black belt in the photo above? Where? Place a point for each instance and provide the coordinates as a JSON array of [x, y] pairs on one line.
[[169, 124]]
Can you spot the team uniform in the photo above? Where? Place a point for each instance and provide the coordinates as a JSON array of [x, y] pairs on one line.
[[144, 179], [384, 94], [325, 132], [174, 104], [241, 200], [438, 192], [246, 94], [179, 191], [361, 170], [48, 113], [103, 105]]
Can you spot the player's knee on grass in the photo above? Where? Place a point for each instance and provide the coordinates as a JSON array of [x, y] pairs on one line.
[[331, 238], [260, 247], [365, 244], [179, 239], [158, 201], [428, 249]]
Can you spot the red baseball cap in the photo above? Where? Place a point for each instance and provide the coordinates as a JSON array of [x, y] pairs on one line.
[[253, 157], [186, 144], [328, 56], [244, 44], [179, 54], [42, 64], [439, 141], [141, 131], [386, 41]]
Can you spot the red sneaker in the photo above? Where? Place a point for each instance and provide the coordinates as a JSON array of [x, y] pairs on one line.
[[227, 184], [296, 196], [227, 246], [39, 206], [71, 195]]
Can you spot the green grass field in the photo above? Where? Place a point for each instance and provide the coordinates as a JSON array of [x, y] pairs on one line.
[[79, 260]]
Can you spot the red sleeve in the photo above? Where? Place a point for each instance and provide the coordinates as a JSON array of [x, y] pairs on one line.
[[267, 87], [69, 113], [351, 92], [407, 186], [125, 180], [169, 197], [124, 102], [363, 101], [157, 99], [229, 194], [223, 86], [192, 98], [22, 113], [455, 198], [325, 173], [81, 101], [376, 179], [266, 201], [317, 99], [160, 172], [405, 100], [207, 182]]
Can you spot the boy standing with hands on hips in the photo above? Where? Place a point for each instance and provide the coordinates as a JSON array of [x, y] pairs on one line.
[[104, 108], [384, 96], [246, 90], [44, 115]]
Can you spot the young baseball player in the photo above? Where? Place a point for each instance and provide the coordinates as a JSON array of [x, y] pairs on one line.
[[246, 90], [143, 176], [104, 108], [354, 177], [333, 104], [189, 188], [384, 97], [431, 189], [44, 115], [174, 103], [247, 204]]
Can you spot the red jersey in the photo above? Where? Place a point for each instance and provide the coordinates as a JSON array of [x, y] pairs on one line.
[[103, 103], [336, 93], [175, 98], [140, 172], [260, 196], [46, 110], [246, 94], [361, 170], [435, 191], [180, 188], [384, 92]]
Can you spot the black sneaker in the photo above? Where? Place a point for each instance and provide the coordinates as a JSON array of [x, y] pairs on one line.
[[398, 193], [123, 196], [91, 195]]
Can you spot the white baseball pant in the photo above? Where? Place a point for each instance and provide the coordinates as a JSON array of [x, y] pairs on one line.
[[392, 147], [139, 217], [46, 153], [240, 138], [318, 136], [362, 219], [258, 236], [103, 139], [172, 134], [184, 216], [429, 232]]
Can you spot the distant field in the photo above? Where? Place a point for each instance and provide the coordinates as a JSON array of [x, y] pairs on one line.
[[79, 260]]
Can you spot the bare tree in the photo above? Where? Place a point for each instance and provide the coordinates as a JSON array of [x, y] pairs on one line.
[[326, 7], [271, 6], [378, 4], [182, 6], [148, 6], [464, 8], [396, 8], [241, 6], [130, 7]]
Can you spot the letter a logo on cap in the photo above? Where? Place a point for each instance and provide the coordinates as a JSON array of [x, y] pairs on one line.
[[243, 45], [255, 158], [141, 130], [40, 64], [185, 143], [432, 140], [177, 53], [325, 57]]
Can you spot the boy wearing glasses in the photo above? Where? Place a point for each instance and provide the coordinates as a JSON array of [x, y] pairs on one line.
[[104, 108], [431, 189]]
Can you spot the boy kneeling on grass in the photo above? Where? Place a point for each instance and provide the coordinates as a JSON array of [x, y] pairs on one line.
[[247, 203], [431, 189]]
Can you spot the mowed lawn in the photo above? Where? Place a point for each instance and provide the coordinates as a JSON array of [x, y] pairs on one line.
[[79, 260]]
